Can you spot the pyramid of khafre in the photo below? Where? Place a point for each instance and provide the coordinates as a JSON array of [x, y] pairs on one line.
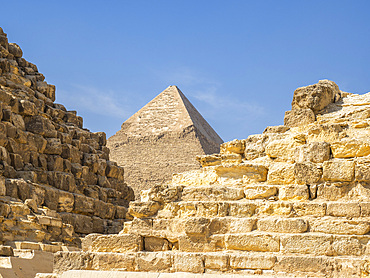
[[162, 138]]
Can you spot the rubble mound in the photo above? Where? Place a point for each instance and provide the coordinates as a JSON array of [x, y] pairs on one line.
[[56, 180], [160, 139], [292, 201]]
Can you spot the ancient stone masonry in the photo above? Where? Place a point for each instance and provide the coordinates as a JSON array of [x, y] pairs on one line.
[[292, 201], [56, 180], [160, 139]]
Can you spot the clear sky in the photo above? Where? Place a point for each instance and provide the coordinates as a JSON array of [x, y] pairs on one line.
[[238, 62]]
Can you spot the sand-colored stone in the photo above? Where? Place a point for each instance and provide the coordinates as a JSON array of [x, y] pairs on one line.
[[169, 133]]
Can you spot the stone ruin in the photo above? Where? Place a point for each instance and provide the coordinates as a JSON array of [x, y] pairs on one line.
[[162, 138], [293, 201], [56, 181]]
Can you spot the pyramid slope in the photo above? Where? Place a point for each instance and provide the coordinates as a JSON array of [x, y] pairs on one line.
[[162, 138], [170, 111]]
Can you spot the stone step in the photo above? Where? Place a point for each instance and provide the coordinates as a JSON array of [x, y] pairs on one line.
[[262, 208], [268, 263], [222, 225], [196, 241]]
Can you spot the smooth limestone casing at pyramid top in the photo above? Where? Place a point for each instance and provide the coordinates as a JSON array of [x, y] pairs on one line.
[[162, 138], [56, 180], [293, 201]]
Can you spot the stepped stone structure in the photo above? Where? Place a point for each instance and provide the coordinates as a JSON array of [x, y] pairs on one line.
[[56, 180], [293, 201], [160, 139]]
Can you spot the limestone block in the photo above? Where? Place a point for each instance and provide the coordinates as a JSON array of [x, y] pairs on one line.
[[27, 108], [209, 160], [163, 193], [338, 170], [65, 201], [14, 49], [40, 125], [275, 208], [103, 209], [365, 209], [294, 192], [216, 261], [252, 261], [200, 177], [316, 96], [282, 225], [2, 186], [307, 173], [197, 226], [276, 129], [316, 152], [314, 209], [155, 262], [83, 204], [350, 147], [252, 242], [6, 251], [241, 225], [282, 149], [207, 209], [252, 192], [117, 243], [242, 209], [304, 264], [209, 193], [333, 191], [64, 261], [154, 244], [298, 117], [4, 209], [281, 173], [200, 243], [231, 159], [338, 226], [187, 262], [347, 246], [343, 209], [235, 146], [247, 171], [113, 261], [316, 244], [362, 170], [143, 209]]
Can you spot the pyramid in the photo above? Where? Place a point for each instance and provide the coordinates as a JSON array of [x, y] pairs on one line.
[[162, 138], [293, 201], [56, 180]]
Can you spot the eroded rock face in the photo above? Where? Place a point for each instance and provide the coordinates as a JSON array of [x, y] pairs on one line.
[[56, 180], [293, 201]]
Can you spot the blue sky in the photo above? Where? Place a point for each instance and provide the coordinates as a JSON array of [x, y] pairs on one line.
[[238, 62]]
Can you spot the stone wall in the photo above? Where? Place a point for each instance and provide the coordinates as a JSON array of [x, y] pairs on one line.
[[293, 201], [56, 180]]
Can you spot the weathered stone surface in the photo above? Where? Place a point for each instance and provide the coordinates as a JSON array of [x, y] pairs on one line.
[[298, 117], [117, 243], [235, 146], [259, 191], [316, 244], [282, 149], [317, 96], [338, 170], [212, 193], [252, 261], [307, 173], [350, 147], [343, 209], [281, 173], [252, 242], [349, 227], [143, 209], [188, 263], [282, 225]]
